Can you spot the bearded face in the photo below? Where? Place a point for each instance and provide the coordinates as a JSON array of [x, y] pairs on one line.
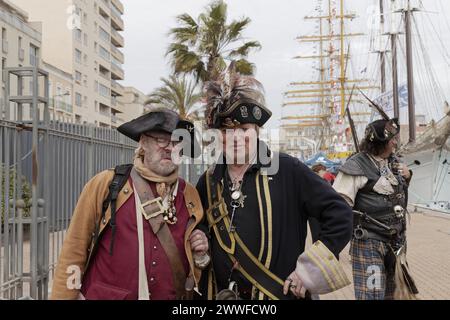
[[157, 150]]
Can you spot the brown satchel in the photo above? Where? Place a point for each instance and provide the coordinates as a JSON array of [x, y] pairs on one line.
[[161, 230]]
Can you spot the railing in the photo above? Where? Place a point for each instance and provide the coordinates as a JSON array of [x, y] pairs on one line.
[[60, 105], [118, 4], [116, 15], [116, 35], [118, 53], [116, 85], [117, 69], [20, 25], [106, 113]]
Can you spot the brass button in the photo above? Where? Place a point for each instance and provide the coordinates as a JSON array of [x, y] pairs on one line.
[[126, 191]]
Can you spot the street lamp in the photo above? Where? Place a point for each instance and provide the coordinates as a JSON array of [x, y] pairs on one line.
[[67, 93]]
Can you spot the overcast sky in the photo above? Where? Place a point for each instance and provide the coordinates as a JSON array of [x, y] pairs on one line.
[[275, 24]]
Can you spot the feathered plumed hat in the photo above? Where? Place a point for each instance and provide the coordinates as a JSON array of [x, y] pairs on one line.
[[381, 130], [235, 99]]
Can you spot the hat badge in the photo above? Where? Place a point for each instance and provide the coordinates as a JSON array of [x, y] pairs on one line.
[[257, 113], [244, 112]]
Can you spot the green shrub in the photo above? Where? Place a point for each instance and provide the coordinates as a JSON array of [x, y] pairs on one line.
[[26, 192]]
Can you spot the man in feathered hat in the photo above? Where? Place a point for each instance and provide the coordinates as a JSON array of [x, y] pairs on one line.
[[133, 234], [375, 184], [258, 219]]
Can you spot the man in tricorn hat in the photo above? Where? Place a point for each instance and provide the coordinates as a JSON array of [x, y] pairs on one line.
[[375, 184], [258, 217], [133, 234]]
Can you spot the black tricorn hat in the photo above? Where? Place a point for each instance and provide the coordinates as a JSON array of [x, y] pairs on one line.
[[382, 130], [242, 111], [160, 119]]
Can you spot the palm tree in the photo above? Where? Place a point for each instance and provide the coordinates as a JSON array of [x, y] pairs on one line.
[[202, 47], [178, 94]]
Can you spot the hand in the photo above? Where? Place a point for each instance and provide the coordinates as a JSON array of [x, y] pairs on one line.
[[199, 242], [404, 171], [295, 284]]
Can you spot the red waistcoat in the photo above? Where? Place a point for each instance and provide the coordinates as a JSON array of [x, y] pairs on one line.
[[116, 277]]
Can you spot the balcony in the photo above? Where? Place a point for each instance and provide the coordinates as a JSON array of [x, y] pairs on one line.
[[60, 105], [114, 118], [117, 38], [104, 9], [117, 72], [117, 88], [117, 54], [116, 19], [105, 111], [118, 4]]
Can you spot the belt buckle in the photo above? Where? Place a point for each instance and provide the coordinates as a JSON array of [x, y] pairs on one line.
[[150, 215]]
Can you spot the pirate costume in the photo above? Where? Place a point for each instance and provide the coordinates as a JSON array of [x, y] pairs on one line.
[[129, 234], [378, 192], [258, 227]]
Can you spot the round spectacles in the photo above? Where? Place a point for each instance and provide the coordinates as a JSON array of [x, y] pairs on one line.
[[162, 142]]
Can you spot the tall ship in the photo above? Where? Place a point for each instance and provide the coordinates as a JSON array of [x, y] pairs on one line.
[[397, 70]]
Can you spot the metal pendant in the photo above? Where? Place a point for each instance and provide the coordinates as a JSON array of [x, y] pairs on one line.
[[236, 195]]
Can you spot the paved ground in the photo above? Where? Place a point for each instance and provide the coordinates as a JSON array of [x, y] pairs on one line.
[[428, 258]]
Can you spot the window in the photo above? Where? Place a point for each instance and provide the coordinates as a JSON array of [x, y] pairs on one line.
[[85, 40], [77, 33], [115, 10], [104, 35], [78, 99], [21, 53], [104, 91], [104, 53], [4, 41], [85, 101], [96, 86], [77, 55], [95, 46], [34, 55], [3, 66], [85, 59], [78, 76]]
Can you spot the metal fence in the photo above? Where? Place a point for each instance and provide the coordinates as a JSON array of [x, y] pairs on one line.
[[43, 168]]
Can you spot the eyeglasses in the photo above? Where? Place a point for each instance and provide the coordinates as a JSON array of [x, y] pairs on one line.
[[162, 142]]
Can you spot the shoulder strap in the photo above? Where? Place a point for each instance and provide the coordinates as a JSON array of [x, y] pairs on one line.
[[161, 230], [249, 265], [121, 174]]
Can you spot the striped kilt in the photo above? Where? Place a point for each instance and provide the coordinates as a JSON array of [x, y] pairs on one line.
[[373, 269]]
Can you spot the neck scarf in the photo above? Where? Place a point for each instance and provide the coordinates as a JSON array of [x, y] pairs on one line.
[[163, 184]]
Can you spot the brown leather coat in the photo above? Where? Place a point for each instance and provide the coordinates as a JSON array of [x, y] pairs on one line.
[[78, 244]]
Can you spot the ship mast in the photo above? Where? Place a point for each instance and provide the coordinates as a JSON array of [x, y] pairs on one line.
[[331, 92], [410, 73], [393, 36]]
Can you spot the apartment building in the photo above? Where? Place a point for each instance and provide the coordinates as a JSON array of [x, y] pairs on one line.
[[133, 102], [60, 93], [81, 39], [299, 142], [20, 47]]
